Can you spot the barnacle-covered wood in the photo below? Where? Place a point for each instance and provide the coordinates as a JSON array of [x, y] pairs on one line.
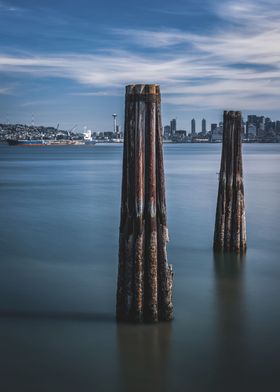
[[230, 226], [144, 292]]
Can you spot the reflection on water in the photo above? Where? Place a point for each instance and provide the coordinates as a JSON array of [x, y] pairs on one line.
[[232, 355], [59, 218], [57, 316], [144, 353], [229, 265]]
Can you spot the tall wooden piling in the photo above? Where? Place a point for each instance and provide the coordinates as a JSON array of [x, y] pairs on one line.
[[230, 226], [144, 292]]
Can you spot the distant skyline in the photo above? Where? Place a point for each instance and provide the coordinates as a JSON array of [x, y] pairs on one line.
[[68, 62]]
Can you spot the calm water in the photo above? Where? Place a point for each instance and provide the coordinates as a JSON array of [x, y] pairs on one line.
[[59, 217]]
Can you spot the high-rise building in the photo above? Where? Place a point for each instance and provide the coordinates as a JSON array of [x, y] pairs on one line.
[[203, 126], [260, 126], [167, 132], [173, 126], [267, 124], [213, 127], [217, 132], [193, 126], [259, 122], [252, 130], [252, 119]]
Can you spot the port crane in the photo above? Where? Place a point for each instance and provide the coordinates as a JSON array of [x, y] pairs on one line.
[[71, 130]]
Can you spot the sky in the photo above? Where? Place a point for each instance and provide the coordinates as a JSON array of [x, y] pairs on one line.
[[67, 62]]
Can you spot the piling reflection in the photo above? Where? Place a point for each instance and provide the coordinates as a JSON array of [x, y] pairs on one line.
[[230, 306], [229, 265], [144, 353]]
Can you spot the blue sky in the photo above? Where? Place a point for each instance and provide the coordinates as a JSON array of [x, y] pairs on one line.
[[68, 62]]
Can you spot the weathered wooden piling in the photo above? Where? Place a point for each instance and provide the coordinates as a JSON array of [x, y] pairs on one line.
[[230, 226], [144, 292]]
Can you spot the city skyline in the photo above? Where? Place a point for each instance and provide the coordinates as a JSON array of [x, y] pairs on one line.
[[171, 125], [71, 66], [256, 129]]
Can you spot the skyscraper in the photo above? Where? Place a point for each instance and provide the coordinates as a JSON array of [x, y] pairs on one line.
[[203, 126], [259, 121], [252, 119], [213, 127], [166, 132], [173, 126], [193, 126], [267, 124]]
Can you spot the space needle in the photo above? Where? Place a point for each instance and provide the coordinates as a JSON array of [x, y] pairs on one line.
[[115, 122]]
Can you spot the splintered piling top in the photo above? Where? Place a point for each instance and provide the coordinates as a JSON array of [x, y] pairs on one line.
[[232, 113], [143, 91]]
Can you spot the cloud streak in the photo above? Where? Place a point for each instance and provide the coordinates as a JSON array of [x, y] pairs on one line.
[[237, 65], [6, 90], [4, 7]]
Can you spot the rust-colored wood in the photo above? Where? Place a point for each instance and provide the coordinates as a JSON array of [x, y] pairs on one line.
[[230, 226], [144, 292]]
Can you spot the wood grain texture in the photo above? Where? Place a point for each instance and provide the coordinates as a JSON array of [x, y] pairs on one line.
[[144, 290], [230, 225]]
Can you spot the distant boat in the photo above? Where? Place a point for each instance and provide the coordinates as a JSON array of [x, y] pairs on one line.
[[89, 142], [14, 142], [88, 138], [64, 142], [41, 142]]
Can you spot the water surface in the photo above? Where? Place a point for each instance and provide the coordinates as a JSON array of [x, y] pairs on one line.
[[59, 217]]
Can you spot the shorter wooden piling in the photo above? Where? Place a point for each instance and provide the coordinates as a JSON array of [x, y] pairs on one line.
[[144, 292], [230, 226]]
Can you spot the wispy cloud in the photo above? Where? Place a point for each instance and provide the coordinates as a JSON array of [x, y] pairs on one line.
[[5, 7], [154, 38], [99, 93], [6, 90], [237, 65]]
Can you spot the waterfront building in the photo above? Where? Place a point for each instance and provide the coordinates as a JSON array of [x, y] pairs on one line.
[[251, 131], [217, 134], [180, 136], [108, 135]]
